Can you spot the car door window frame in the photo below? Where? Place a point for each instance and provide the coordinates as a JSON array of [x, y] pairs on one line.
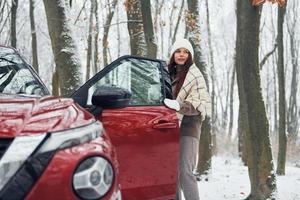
[[81, 95]]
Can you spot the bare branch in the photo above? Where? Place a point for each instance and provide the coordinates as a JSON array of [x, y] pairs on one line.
[[264, 60], [77, 18], [178, 20]]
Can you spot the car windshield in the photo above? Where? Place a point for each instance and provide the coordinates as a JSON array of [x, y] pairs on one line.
[[16, 76]]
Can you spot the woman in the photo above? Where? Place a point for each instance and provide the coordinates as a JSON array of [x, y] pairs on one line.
[[192, 104]]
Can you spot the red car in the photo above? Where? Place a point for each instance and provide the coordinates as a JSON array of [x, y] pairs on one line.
[[54, 148]]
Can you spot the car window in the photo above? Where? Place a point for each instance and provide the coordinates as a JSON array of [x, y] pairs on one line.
[[141, 77], [15, 75]]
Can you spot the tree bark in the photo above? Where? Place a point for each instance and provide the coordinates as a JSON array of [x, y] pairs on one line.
[[55, 84], [292, 114], [118, 32], [96, 66], [243, 126], [178, 21], [232, 83], [89, 42], [35, 62], [3, 19], [148, 29], [281, 86], [13, 23], [106, 30], [63, 46], [158, 21], [138, 44], [259, 156], [213, 91], [193, 32]]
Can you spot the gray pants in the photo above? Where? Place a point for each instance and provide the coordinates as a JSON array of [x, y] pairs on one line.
[[186, 181]]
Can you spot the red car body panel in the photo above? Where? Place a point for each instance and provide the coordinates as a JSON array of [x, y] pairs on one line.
[[146, 141], [23, 115]]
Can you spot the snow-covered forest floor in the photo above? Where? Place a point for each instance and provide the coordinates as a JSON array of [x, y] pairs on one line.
[[229, 180]]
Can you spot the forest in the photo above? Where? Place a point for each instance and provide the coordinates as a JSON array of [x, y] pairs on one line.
[[247, 50]]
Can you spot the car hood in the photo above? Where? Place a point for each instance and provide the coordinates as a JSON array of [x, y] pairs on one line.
[[27, 115]]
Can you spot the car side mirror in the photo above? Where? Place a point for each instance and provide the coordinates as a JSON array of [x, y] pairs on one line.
[[111, 97]]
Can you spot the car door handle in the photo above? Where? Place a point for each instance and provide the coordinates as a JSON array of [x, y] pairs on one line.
[[163, 124]]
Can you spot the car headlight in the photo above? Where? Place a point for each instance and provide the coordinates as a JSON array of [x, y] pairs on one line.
[[23, 147], [72, 137], [93, 178], [17, 153]]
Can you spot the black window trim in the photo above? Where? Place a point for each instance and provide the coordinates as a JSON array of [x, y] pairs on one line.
[[81, 94]]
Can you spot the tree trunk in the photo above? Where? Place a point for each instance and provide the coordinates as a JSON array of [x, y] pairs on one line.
[[275, 103], [118, 32], [281, 86], [213, 75], [35, 63], [106, 30], [13, 23], [193, 29], [292, 114], [157, 21], [178, 21], [3, 19], [96, 66], [89, 42], [259, 156], [138, 44], [231, 103], [63, 46], [273, 86], [205, 149], [243, 126], [55, 84], [148, 28]]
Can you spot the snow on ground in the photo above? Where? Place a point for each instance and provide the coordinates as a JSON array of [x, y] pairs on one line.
[[229, 181]]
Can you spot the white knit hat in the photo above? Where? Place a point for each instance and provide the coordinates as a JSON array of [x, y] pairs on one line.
[[182, 43]]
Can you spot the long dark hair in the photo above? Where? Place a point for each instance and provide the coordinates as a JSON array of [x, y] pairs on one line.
[[172, 71]]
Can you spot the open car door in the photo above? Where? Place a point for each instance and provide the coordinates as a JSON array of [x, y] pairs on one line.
[[145, 133]]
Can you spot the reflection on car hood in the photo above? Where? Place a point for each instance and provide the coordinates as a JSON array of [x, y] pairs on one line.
[[23, 115]]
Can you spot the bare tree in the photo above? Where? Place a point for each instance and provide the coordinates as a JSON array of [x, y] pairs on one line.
[[259, 156], [3, 18], [35, 62], [89, 41], [2, 7], [193, 34], [293, 109], [231, 90], [111, 11], [243, 125], [63, 46], [281, 86], [157, 21], [13, 23], [148, 29], [178, 21], [96, 66], [135, 26], [213, 78]]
